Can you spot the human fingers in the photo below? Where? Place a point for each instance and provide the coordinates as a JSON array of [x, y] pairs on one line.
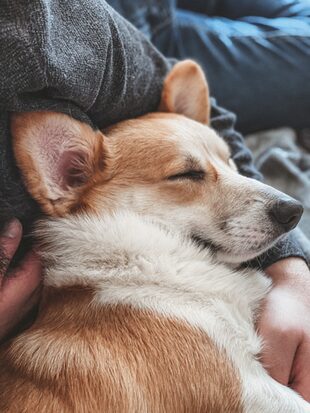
[[9, 241], [300, 377], [19, 293], [281, 336]]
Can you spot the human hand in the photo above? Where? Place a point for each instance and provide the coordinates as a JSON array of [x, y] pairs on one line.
[[20, 290], [285, 325]]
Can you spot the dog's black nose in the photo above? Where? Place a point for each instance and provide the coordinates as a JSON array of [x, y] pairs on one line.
[[287, 212]]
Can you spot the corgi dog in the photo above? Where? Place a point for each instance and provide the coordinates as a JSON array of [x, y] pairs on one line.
[[145, 308]]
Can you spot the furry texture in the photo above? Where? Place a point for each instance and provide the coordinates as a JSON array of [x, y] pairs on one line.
[[115, 286], [132, 261]]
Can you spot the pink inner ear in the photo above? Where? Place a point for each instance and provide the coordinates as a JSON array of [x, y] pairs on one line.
[[63, 164], [72, 169]]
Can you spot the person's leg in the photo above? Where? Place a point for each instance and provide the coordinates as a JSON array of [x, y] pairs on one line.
[[256, 67], [236, 9], [209, 7], [149, 16]]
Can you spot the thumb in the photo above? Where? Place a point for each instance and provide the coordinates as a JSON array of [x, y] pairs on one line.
[[9, 242]]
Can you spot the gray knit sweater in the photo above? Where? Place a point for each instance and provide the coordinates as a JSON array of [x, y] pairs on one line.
[[82, 58]]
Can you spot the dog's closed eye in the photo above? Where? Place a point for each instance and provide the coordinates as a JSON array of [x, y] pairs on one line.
[[193, 175]]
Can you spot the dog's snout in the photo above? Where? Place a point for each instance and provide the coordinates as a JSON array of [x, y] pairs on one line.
[[287, 213]]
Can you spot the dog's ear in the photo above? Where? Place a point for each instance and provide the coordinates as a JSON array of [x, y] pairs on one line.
[[59, 158], [186, 92]]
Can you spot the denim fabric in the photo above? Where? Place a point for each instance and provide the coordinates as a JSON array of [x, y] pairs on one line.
[[149, 16], [256, 54], [234, 9]]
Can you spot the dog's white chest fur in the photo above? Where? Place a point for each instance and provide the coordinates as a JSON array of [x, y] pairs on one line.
[[130, 260]]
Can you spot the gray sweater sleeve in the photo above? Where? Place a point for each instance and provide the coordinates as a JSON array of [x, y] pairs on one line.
[[82, 52], [223, 122]]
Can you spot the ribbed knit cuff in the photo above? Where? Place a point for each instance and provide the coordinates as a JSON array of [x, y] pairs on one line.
[[286, 248]]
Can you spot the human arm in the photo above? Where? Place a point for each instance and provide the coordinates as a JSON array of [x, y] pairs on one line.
[[285, 325]]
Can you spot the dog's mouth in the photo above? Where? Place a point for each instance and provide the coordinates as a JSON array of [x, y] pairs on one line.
[[206, 243], [229, 254]]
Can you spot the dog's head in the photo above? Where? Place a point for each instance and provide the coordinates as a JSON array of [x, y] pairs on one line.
[[169, 166]]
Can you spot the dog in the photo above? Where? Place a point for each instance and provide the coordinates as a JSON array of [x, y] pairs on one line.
[[144, 306]]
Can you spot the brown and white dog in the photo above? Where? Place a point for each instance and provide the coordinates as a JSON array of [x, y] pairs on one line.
[[136, 317]]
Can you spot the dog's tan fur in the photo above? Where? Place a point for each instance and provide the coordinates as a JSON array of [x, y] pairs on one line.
[[77, 358]]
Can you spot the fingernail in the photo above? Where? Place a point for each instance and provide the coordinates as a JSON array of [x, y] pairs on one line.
[[12, 230]]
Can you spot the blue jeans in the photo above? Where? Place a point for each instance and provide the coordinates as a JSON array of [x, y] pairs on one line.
[[256, 54]]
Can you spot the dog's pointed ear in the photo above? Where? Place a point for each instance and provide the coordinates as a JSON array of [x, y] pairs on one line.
[[59, 158], [186, 92]]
